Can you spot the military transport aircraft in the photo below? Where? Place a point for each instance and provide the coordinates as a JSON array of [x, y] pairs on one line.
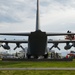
[[37, 40]]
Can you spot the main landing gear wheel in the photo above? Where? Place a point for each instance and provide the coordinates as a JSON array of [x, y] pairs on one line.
[[46, 56], [35, 57], [28, 56]]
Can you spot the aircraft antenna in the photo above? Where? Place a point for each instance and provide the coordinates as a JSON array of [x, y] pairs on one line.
[[37, 16]]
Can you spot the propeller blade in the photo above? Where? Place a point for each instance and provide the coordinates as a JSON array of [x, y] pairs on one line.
[[58, 48], [22, 47], [51, 47], [15, 48]]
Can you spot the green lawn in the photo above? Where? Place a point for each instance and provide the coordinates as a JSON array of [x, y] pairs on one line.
[[46, 64], [37, 72]]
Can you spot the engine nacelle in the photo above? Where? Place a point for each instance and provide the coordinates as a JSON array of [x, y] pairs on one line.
[[68, 46], [6, 46], [73, 44]]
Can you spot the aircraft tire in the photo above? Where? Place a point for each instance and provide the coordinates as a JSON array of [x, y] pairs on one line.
[[35, 57], [46, 56], [28, 56]]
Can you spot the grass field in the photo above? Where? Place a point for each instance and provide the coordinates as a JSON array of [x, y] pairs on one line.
[[47, 64], [37, 72]]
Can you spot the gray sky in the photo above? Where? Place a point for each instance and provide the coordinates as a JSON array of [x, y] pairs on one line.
[[20, 15]]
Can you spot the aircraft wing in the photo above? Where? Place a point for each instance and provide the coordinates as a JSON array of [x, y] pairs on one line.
[[61, 41], [13, 41], [59, 34], [27, 34], [26, 41], [16, 34]]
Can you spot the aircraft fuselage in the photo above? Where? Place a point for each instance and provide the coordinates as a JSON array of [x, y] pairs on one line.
[[37, 43]]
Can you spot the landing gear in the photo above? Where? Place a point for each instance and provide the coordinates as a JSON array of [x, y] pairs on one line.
[[31, 57], [35, 57], [46, 56], [28, 56]]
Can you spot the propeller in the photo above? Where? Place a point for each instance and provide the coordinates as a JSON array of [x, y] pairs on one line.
[[6, 46], [18, 46], [55, 45], [68, 46]]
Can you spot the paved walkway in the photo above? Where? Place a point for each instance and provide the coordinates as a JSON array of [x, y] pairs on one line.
[[37, 68]]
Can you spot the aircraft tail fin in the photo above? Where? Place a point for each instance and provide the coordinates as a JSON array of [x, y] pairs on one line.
[[37, 16]]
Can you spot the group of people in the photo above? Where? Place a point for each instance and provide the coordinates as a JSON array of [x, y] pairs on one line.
[[54, 55]]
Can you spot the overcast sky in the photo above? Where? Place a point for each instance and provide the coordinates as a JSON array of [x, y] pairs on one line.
[[20, 15]]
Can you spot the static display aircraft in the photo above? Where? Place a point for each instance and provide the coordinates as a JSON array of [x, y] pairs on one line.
[[69, 37], [37, 40]]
